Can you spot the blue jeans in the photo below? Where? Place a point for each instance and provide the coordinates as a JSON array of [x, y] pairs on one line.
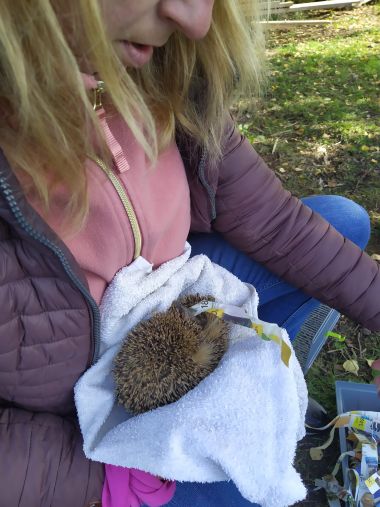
[[280, 302]]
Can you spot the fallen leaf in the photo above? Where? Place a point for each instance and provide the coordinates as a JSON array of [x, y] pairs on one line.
[[320, 152], [351, 366], [375, 257], [338, 337], [370, 362]]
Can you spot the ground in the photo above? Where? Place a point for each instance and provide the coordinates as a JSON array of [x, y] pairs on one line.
[[317, 125]]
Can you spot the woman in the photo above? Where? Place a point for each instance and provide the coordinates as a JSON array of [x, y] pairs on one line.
[[90, 180]]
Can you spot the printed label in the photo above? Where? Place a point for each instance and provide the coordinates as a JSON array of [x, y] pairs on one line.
[[265, 330], [373, 483], [359, 423]]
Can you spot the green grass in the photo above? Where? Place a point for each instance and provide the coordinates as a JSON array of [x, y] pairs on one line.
[[318, 127], [318, 123], [360, 346]]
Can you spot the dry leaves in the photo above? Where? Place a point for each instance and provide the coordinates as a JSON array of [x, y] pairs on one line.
[[351, 365]]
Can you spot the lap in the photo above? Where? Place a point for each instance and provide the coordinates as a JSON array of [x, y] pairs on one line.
[[216, 494], [348, 218]]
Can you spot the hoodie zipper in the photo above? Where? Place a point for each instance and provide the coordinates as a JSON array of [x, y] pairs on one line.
[[33, 233], [126, 203], [98, 107]]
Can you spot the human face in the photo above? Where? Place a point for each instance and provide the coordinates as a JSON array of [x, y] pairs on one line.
[[136, 27]]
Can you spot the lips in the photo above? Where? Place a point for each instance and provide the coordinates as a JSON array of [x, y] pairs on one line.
[[135, 54]]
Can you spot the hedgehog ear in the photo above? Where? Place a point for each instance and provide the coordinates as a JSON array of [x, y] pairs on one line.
[[184, 311]]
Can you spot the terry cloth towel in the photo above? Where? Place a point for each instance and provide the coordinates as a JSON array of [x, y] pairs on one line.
[[242, 422]]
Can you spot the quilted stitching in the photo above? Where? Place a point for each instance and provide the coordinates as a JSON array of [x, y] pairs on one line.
[[44, 325]]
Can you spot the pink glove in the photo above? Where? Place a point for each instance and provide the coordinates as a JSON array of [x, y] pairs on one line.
[[128, 487]]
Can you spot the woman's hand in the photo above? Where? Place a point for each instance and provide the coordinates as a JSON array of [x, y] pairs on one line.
[[376, 367]]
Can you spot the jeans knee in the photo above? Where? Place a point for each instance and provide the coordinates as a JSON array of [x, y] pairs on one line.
[[347, 216]]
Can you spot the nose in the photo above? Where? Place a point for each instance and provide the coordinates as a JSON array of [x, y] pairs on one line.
[[191, 17]]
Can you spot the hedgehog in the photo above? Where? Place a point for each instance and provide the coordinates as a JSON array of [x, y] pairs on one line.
[[166, 356]]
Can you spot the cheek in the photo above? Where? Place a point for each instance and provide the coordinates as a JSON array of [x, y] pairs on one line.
[[118, 15]]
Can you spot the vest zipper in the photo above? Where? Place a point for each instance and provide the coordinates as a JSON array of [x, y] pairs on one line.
[[33, 233], [126, 203]]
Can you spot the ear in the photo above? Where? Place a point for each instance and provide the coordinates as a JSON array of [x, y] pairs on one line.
[[183, 310]]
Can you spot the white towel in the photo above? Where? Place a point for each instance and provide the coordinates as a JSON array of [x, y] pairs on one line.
[[242, 422]]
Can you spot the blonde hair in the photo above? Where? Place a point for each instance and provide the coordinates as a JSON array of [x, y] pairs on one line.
[[47, 123]]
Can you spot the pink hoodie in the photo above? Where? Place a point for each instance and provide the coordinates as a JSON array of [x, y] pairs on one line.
[[160, 198]]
